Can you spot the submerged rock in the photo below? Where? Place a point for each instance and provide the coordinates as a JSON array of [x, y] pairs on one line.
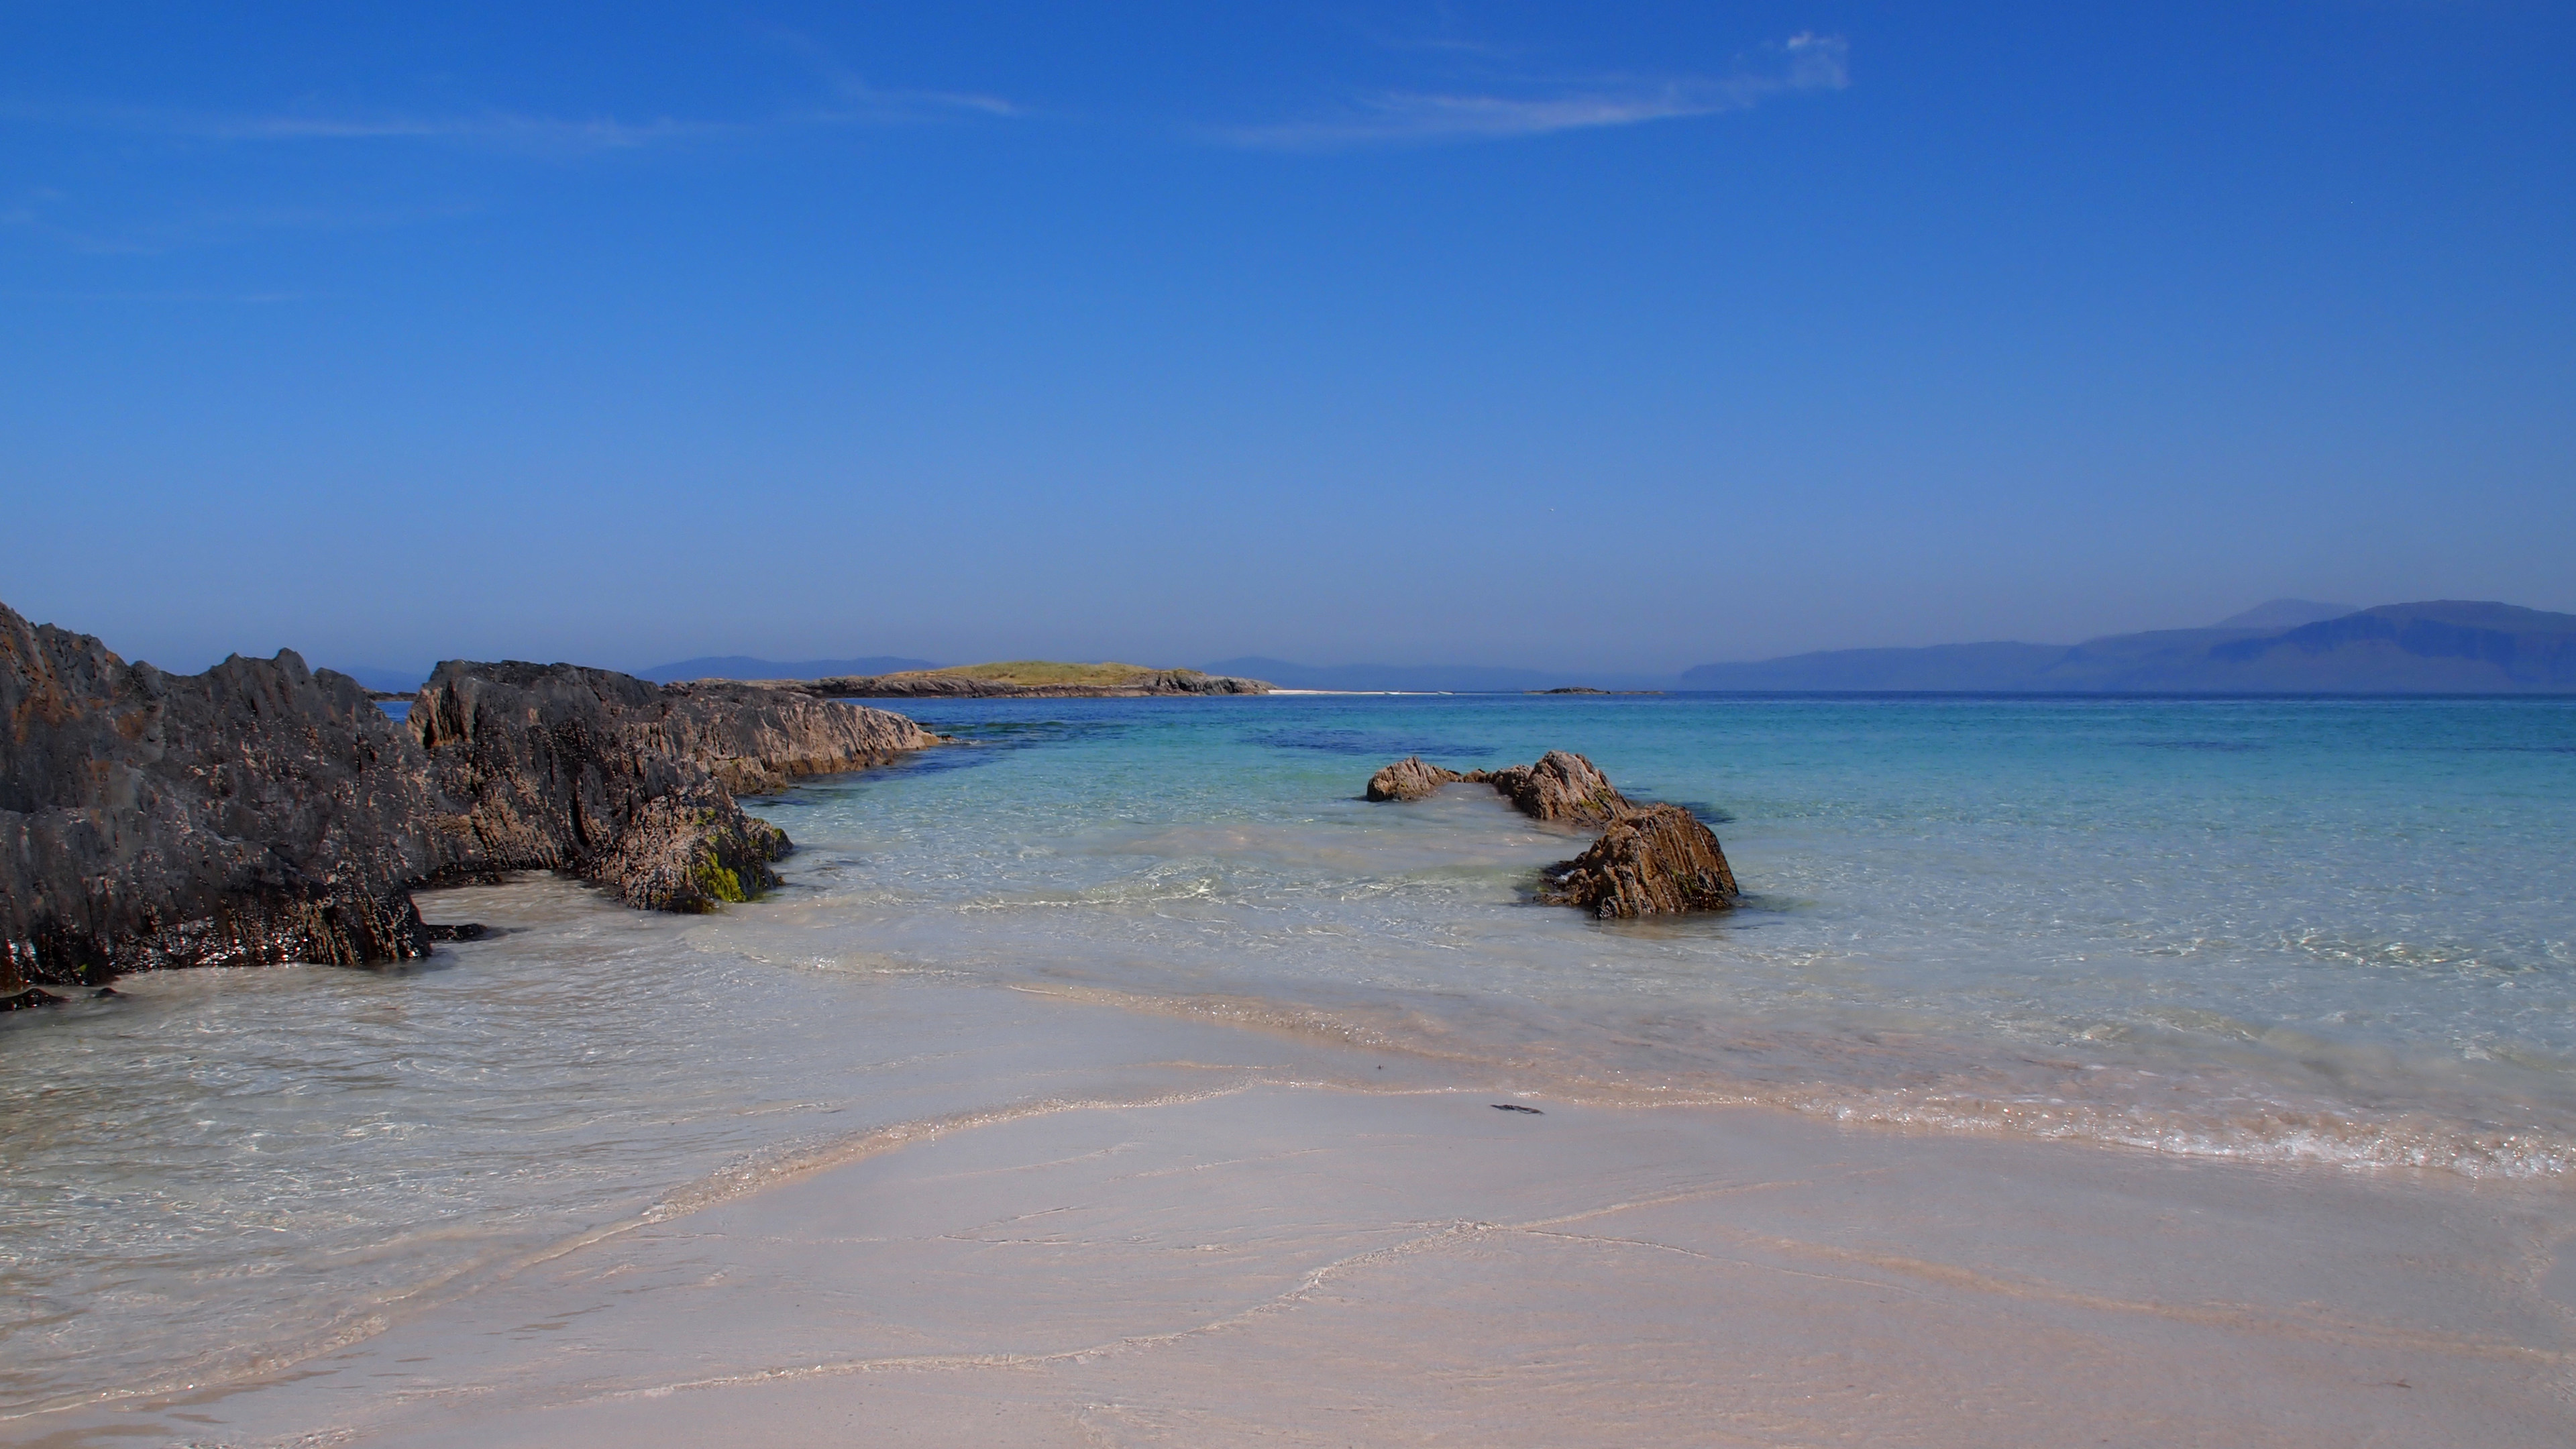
[[265, 812], [1650, 859], [1655, 860], [1410, 778]]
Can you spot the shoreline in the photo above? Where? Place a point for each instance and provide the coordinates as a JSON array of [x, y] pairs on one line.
[[1132, 1272], [923, 982]]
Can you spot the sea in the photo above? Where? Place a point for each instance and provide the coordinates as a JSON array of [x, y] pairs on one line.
[[2323, 931]]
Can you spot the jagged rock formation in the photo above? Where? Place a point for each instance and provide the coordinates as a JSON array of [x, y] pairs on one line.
[[757, 741], [628, 783], [263, 812], [1655, 860], [1650, 859], [257, 812], [1410, 778], [1561, 787]]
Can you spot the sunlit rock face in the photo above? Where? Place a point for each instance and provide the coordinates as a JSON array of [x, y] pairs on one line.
[[1410, 778], [1656, 860], [1650, 859]]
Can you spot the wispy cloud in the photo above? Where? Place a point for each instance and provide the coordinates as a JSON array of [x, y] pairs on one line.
[[495, 129], [67, 223], [860, 101], [1802, 63], [850, 101], [223, 299]]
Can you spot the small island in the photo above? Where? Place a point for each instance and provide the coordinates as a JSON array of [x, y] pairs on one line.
[[1029, 679], [1588, 689]]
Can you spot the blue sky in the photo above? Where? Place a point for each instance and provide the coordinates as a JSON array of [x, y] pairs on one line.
[[1630, 336]]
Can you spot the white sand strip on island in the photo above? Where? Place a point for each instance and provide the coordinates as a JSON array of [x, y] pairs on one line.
[[1306, 1265]]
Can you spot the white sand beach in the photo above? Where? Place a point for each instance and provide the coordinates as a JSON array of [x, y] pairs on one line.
[[1282, 1264]]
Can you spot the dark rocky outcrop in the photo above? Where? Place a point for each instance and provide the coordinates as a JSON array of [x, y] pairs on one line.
[[628, 783], [257, 812], [1655, 860], [1410, 778], [1650, 859], [264, 812]]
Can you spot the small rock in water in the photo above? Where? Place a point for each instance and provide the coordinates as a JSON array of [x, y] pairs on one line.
[[460, 931], [1650, 860], [1654, 861], [1410, 778], [1562, 786], [1515, 1107]]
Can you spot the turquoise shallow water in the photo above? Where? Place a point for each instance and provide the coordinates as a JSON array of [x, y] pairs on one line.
[[2284, 931], [2323, 928]]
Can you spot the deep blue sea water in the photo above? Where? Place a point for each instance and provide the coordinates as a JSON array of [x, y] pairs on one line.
[[2281, 930]]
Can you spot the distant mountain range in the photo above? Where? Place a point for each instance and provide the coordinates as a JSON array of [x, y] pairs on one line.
[[2442, 647], [2286, 646], [2286, 614]]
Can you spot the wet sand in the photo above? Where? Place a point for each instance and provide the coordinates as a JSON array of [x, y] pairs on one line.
[[1284, 1264]]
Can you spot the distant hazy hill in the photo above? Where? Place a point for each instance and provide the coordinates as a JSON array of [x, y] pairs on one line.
[[736, 666], [2442, 647], [2285, 614], [1427, 678]]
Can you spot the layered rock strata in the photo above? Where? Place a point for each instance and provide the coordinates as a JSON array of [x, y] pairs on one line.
[[1649, 860], [1561, 787], [1410, 778], [1656, 860], [266, 812]]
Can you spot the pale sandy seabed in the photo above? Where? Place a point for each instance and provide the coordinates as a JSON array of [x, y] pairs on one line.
[[1197, 1251], [1138, 1090]]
